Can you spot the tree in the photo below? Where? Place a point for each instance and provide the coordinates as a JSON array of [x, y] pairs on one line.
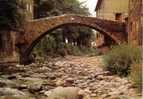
[[10, 13], [46, 8]]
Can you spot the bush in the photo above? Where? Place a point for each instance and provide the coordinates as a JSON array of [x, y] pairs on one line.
[[90, 51], [72, 50], [136, 75], [82, 50], [120, 58]]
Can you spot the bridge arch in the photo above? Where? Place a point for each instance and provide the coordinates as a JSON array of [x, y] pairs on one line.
[[34, 43], [35, 30]]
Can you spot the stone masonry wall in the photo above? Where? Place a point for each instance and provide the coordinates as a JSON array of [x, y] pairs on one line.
[[8, 52], [134, 22]]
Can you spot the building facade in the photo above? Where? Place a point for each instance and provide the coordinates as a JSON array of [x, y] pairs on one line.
[[8, 50], [116, 10], [129, 11], [112, 9], [135, 22]]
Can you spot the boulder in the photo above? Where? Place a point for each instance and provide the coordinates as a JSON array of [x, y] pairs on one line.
[[10, 91], [68, 93]]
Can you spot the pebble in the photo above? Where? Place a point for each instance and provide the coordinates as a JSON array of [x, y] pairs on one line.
[[42, 78]]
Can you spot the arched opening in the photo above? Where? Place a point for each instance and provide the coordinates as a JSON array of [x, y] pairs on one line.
[[30, 47], [28, 51]]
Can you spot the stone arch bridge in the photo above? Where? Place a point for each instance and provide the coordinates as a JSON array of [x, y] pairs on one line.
[[32, 31]]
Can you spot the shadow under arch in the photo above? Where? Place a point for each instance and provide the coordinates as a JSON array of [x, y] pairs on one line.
[[25, 56]]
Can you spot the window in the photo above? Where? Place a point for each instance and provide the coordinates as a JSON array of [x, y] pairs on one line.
[[126, 19], [118, 16]]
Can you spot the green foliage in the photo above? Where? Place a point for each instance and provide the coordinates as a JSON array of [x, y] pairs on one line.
[[46, 46], [4, 21], [72, 50], [89, 51], [136, 75], [56, 7], [121, 57], [126, 60], [53, 47], [12, 13]]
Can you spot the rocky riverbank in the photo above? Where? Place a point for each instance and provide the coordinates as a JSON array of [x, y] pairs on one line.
[[70, 76]]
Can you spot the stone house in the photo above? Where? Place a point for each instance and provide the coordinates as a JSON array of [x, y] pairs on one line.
[[116, 10], [129, 11], [112, 9]]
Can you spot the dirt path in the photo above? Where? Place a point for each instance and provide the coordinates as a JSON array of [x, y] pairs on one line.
[[85, 60]]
